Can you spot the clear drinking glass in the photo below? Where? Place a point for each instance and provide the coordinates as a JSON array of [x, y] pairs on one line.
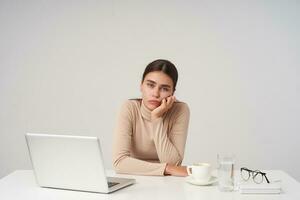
[[226, 172]]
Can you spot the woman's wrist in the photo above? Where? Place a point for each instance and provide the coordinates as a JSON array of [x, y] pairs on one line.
[[155, 115], [168, 169], [155, 118], [175, 170]]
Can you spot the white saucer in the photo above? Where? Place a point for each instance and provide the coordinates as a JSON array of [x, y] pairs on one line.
[[193, 181]]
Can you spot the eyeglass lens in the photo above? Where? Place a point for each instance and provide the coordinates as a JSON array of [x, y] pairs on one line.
[[256, 175]]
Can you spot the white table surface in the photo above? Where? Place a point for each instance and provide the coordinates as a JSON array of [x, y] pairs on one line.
[[21, 185]]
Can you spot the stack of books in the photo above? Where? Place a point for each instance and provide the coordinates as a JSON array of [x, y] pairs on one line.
[[263, 188]]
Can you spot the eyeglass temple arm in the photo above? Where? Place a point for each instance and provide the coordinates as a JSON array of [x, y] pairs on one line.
[[266, 178]]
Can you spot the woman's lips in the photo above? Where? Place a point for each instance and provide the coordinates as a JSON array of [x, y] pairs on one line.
[[154, 102]]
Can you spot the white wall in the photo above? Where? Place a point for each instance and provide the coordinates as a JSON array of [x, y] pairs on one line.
[[66, 67]]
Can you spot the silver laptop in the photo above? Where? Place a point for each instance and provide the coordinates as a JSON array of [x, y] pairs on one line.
[[71, 162]]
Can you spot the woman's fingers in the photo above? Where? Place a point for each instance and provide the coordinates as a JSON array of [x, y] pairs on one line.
[[164, 102], [170, 101], [175, 99]]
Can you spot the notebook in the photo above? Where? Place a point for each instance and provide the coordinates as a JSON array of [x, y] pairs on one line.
[[263, 188]]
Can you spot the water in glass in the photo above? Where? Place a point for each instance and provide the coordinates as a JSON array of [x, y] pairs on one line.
[[226, 172]]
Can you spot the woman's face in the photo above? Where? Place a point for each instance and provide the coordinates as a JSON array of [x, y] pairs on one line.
[[155, 87]]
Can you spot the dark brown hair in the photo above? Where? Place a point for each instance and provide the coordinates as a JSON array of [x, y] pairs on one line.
[[165, 66]]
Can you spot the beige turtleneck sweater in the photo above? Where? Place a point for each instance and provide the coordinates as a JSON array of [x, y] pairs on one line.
[[144, 147]]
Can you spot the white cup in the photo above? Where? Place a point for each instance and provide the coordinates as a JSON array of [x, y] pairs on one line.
[[200, 171]]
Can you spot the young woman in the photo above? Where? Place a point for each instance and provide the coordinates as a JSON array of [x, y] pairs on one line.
[[151, 132]]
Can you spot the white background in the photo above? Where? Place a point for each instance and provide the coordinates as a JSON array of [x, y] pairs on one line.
[[67, 66]]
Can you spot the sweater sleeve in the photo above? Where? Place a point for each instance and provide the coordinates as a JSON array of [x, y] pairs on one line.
[[170, 146], [122, 161]]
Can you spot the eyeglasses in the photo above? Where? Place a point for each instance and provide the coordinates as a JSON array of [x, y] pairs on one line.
[[257, 175]]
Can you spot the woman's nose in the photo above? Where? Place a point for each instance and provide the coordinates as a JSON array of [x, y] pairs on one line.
[[155, 92]]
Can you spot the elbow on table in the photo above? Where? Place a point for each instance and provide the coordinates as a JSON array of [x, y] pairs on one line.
[[118, 169], [117, 166]]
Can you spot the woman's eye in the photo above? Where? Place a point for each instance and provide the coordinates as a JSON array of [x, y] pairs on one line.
[[150, 85], [165, 89]]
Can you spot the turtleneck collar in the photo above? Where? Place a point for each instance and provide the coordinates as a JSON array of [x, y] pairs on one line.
[[146, 112]]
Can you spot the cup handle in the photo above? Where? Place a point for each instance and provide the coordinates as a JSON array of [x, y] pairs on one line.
[[188, 169]]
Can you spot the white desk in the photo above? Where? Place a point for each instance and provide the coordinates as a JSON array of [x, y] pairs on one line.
[[21, 185]]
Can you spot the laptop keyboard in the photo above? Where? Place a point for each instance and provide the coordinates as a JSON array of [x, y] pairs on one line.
[[111, 184]]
